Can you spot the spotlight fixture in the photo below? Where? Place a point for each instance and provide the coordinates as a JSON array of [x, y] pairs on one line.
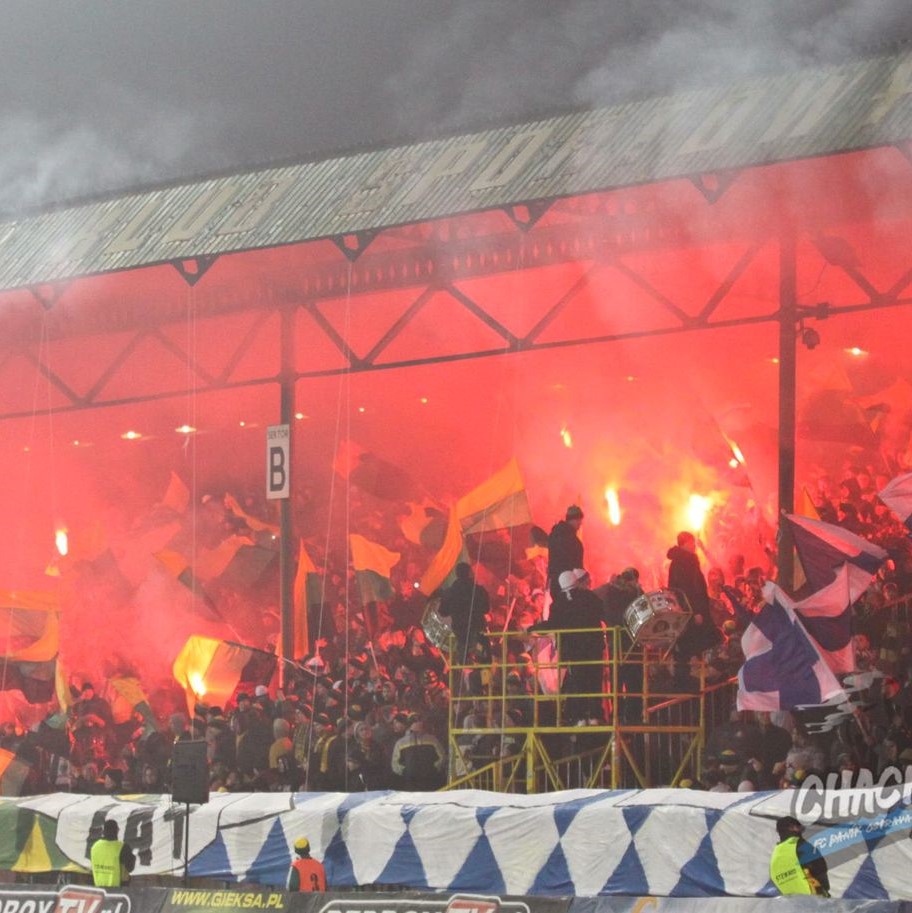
[[810, 338]]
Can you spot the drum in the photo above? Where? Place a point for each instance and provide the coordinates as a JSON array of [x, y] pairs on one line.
[[437, 631], [656, 619]]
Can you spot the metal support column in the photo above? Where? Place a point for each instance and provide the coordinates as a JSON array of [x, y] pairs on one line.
[[788, 320], [286, 546]]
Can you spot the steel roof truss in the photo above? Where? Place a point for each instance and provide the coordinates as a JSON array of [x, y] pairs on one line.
[[193, 269]]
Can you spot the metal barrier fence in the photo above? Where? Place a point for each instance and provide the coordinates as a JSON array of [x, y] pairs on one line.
[[640, 721]]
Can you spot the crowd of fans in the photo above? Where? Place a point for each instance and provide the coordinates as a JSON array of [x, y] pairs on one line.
[[370, 707]]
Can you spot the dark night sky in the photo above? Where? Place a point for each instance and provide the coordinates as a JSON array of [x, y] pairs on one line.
[[99, 96]]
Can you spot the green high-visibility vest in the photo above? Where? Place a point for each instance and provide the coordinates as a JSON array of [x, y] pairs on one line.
[[786, 872], [106, 863]]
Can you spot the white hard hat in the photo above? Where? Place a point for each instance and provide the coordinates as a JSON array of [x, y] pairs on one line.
[[570, 580]]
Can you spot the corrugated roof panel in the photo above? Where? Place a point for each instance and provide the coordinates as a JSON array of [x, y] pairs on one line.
[[815, 112]]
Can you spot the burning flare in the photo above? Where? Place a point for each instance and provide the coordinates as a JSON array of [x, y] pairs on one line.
[[62, 541], [614, 506], [197, 683], [697, 510], [566, 437]]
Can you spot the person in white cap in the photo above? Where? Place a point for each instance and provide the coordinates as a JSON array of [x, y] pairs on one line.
[[580, 610]]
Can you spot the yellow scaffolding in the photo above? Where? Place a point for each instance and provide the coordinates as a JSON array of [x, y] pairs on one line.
[[644, 737]]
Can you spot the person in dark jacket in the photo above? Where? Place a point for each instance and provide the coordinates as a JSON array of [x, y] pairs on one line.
[[565, 550], [326, 766], [686, 578], [418, 759], [580, 609], [465, 605]]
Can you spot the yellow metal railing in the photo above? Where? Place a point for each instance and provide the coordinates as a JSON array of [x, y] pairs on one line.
[[643, 735]]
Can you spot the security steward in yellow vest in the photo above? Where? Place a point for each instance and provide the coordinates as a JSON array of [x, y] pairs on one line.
[[112, 860], [795, 866]]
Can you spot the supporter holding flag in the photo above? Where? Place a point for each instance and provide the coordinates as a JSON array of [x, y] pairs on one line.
[[783, 668]]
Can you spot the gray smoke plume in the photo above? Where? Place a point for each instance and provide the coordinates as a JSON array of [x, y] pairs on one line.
[[46, 161], [100, 97], [510, 61]]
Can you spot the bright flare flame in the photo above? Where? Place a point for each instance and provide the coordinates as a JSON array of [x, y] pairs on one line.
[[736, 451], [697, 510], [614, 506], [197, 684], [61, 540], [185, 429], [733, 463], [566, 437]]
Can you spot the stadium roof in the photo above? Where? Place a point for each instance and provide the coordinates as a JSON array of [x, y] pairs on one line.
[[797, 115]]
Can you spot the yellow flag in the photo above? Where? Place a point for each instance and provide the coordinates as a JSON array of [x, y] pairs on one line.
[[498, 503], [306, 569], [209, 669], [29, 626], [445, 560], [34, 856], [806, 506], [371, 556]]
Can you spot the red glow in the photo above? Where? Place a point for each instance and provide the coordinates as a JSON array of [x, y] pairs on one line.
[[661, 413]]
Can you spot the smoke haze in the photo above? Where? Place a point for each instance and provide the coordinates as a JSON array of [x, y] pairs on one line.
[[102, 97]]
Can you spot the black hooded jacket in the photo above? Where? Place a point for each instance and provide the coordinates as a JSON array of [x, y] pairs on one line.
[[685, 575], [565, 551]]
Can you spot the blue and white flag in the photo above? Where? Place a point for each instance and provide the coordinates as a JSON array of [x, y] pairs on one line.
[[897, 495], [823, 548], [783, 668], [827, 617]]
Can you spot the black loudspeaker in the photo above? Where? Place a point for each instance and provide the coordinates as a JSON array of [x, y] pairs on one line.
[[189, 772]]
